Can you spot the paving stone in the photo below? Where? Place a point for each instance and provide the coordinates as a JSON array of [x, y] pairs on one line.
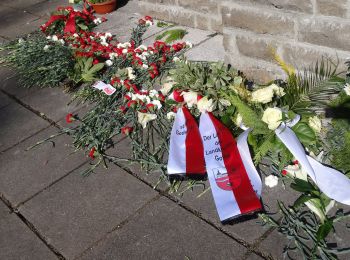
[[246, 228], [52, 102], [274, 245], [45, 8], [14, 23], [21, 4], [164, 230], [17, 241], [121, 21], [24, 173], [9, 83], [253, 256], [18, 123], [195, 36], [78, 211], [4, 100], [152, 30], [211, 50], [123, 150]]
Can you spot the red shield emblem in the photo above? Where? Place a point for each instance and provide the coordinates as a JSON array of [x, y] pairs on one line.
[[222, 180]]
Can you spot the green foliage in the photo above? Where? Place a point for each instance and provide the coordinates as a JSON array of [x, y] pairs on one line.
[[97, 1], [304, 133], [162, 24], [172, 35], [312, 89], [36, 66], [85, 70]]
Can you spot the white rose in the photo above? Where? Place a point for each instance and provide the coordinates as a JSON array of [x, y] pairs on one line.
[[145, 66], [131, 76], [109, 63], [170, 115], [263, 95], [144, 118], [124, 51], [277, 90], [315, 124], [271, 181], [190, 98], [46, 47], [205, 105], [153, 93], [272, 117], [347, 89], [75, 35]]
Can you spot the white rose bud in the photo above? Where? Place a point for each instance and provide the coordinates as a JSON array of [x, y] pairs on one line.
[[272, 117], [315, 124]]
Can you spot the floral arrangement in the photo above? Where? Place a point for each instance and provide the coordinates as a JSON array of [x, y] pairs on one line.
[[140, 91]]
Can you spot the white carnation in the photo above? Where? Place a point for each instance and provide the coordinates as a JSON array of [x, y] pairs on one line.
[[54, 38], [109, 63], [46, 47], [167, 86], [157, 104], [272, 117], [271, 181], [170, 115]]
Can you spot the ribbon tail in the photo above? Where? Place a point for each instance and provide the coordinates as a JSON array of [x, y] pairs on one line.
[[243, 148], [186, 154], [330, 181], [70, 25]]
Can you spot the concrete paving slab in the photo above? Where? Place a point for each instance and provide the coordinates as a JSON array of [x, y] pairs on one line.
[[247, 228], [4, 100], [9, 83], [211, 50], [44, 8], [17, 241], [76, 212], [123, 150], [253, 256], [14, 22], [52, 102], [24, 173], [17, 124], [166, 231], [20, 4]]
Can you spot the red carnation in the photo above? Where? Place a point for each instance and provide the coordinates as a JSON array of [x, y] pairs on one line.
[[148, 18], [131, 103], [150, 107], [284, 172], [69, 118], [127, 130], [123, 109], [92, 153], [295, 162], [95, 61]]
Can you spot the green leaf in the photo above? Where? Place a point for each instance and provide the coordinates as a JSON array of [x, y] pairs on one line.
[[97, 67], [302, 186], [83, 26], [305, 133], [172, 35], [301, 200], [324, 230]]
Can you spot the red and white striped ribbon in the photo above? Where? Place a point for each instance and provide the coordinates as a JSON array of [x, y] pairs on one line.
[[186, 148], [230, 181]]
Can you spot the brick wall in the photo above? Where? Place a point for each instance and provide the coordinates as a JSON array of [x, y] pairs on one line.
[[301, 31]]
